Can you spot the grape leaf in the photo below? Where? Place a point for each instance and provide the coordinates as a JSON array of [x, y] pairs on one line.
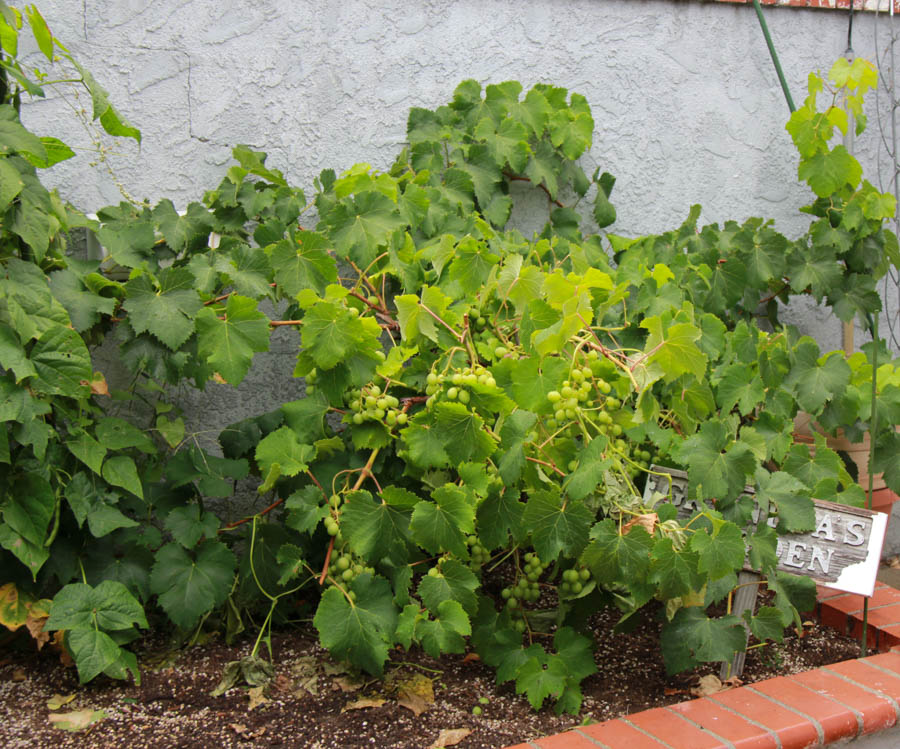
[[614, 557], [541, 678], [557, 525], [303, 264], [674, 350], [715, 470], [692, 637], [166, 312], [443, 524], [191, 585], [721, 552], [332, 334], [444, 634], [228, 345], [109, 606], [62, 363], [461, 433], [499, 516], [360, 631], [455, 582], [360, 225], [796, 512], [592, 464], [813, 384], [121, 471], [674, 572], [189, 524], [373, 529], [283, 447]]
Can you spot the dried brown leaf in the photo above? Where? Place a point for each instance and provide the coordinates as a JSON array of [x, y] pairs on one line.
[[449, 737], [709, 684], [348, 683], [363, 702], [257, 697], [647, 521]]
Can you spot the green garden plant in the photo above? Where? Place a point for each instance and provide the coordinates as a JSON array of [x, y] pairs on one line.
[[481, 408]]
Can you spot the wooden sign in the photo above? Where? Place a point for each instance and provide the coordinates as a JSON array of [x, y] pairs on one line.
[[842, 552]]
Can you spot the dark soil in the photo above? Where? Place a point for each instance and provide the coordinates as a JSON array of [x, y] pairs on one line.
[[173, 706]]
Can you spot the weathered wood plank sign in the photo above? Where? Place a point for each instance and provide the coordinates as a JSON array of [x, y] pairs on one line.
[[843, 552]]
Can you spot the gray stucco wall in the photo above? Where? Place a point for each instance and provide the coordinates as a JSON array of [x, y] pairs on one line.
[[686, 101]]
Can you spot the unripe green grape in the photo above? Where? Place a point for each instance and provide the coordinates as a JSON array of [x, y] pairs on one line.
[[470, 379], [560, 414], [505, 593], [553, 396], [391, 418], [613, 403], [577, 376], [331, 528], [375, 390], [604, 387], [392, 401], [402, 418], [513, 602], [471, 540], [476, 710], [585, 574], [352, 596], [379, 413], [310, 389], [570, 413], [567, 392], [571, 403], [500, 352], [457, 378], [357, 419], [431, 379], [586, 371], [565, 587], [577, 587], [592, 354], [551, 424], [380, 354], [371, 401], [434, 572], [573, 464], [347, 575], [357, 568], [343, 563], [381, 403], [491, 382], [483, 378], [480, 321], [616, 430], [464, 396], [452, 393], [335, 500]]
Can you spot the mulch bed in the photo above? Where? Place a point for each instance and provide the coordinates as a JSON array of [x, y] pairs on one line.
[[313, 702]]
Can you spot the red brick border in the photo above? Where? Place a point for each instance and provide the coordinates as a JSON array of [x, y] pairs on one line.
[[863, 5], [835, 703]]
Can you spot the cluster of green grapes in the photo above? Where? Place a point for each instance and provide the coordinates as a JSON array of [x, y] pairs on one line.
[[370, 404], [478, 555], [526, 589], [574, 580], [453, 386], [583, 392]]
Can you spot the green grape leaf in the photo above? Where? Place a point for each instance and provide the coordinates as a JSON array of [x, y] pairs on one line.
[[557, 525], [455, 582], [462, 433], [499, 516], [472, 265], [425, 446], [543, 168], [229, 345], [373, 529], [513, 435], [674, 350], [303, 263], [812, 467], [540, 680], [121, 471], [442, 525], [716, 471], [612, 557], [827, 172], [592, 464], [360, 631], [11, 183], [166, 312], [305, 509], [12, 354], [796, 512], [332, 334], [692, 637], [189, 524], [190, 586], [740, 387], [188, 232], [362, 224], [674, 572], [290, 561], [813, 384], [767, 623], [721, 552], [445, 633], [532, 378], [763, 545], [283, 447]]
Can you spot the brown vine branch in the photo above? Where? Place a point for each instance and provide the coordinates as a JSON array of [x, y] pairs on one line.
[[520, 178]]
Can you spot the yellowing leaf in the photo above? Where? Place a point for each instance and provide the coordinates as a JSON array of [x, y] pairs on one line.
[[58, 700], [449, 737], [257, 697], [76, 720]]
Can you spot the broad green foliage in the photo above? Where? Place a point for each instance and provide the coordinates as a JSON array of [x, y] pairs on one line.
[[477, 401]]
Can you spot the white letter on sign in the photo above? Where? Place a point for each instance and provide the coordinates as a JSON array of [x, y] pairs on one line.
[[794, 550], [854, 527], [825, 529]]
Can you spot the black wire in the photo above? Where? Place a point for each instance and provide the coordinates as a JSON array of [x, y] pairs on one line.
[[850, 29]]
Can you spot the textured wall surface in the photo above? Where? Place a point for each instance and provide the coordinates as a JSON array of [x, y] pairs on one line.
[[687, 104]]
